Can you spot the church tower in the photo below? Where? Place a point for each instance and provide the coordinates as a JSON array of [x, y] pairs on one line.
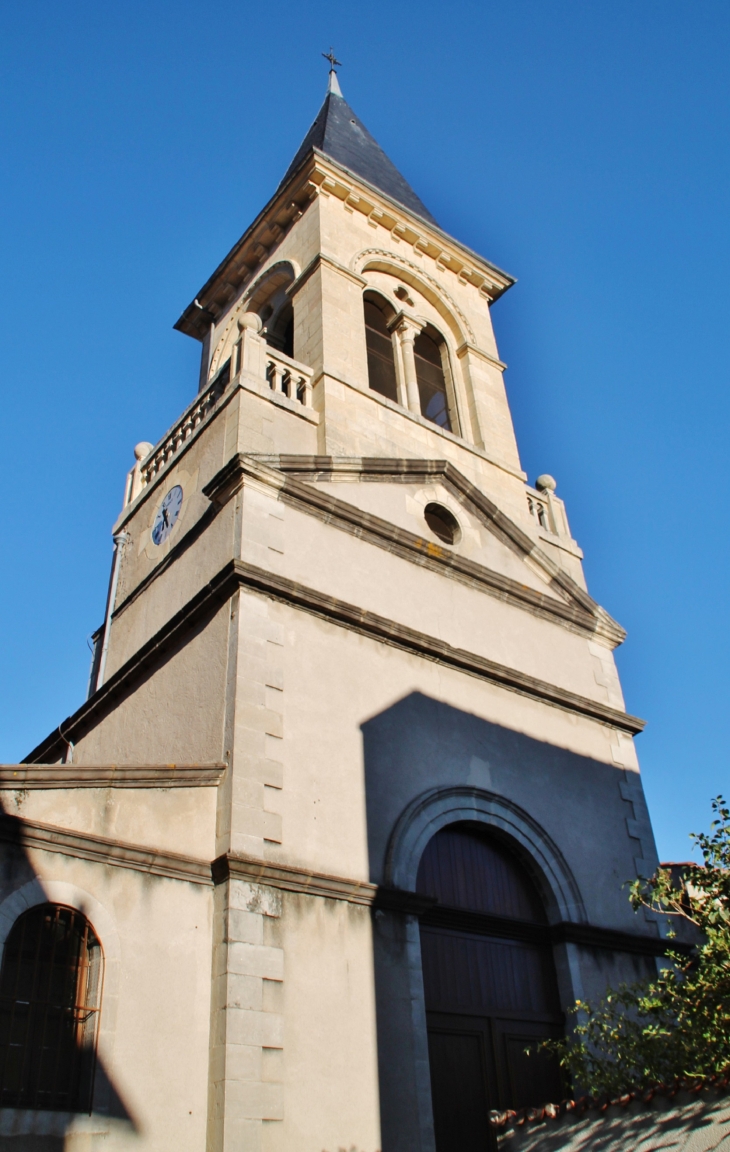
[[345, 820]]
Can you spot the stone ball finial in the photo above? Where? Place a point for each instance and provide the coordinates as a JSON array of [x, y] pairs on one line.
[[546, 483], [250, 320], [142, 449]]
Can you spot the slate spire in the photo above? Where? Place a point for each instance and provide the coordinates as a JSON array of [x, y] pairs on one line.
[[339, 134]]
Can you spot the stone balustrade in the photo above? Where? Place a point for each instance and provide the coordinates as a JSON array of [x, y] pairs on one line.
[[255, 365], [288, 377], [546, 509], [539, 509], [204, 403]]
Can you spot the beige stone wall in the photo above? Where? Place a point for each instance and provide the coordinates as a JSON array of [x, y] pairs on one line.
[[329, 1037], [162, 819], [326, 821], [175, 714], [156, 936], [382, 582]]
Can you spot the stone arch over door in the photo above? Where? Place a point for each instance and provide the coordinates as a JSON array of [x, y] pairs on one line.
[[438, 807], [424, 817]]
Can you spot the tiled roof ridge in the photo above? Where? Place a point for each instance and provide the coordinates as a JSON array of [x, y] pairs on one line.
[[517, 1119]]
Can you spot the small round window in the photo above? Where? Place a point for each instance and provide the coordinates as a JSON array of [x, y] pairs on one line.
[[442, 523]]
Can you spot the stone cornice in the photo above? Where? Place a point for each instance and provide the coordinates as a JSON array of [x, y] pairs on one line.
[[49, 776], [580, 612], [288, 878], [329, 262], [366, 526], [419, 643], [101, 850], [238, 575], [473, 350], [425, 471], [246, 258], [325, 174], [319, 173]]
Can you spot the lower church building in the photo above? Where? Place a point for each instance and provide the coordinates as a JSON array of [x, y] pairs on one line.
[[345, 821]]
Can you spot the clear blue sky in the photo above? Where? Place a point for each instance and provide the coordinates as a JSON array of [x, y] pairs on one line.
[[581, 146]]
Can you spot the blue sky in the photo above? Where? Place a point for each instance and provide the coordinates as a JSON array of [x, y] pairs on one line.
[[581, 146]]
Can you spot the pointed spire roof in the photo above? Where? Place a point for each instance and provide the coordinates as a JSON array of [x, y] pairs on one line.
[[339, 134]]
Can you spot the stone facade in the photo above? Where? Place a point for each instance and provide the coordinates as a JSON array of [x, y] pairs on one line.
[[302, 684]]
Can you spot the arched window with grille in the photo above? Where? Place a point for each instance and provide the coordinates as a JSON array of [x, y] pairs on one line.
[[429, 351], [379, 341], [50, 1001], [490, 985]]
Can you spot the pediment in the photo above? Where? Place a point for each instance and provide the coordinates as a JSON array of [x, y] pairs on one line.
[[404, 506], [498, 555]]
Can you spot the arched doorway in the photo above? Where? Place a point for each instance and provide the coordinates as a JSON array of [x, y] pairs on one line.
[[489, 982]]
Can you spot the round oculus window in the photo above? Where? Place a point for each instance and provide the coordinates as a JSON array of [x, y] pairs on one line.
[[442, 523]]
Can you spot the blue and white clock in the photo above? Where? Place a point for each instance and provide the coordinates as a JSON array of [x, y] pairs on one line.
[[167, 515]]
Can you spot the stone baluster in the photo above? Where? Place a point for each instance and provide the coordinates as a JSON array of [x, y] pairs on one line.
[[275, 375], [306, 392]]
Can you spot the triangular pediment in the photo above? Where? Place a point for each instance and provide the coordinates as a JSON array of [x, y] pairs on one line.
[[405, 506], [514, 566]]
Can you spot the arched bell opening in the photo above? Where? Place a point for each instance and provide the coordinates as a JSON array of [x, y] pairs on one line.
[[430, 353], [490, 984], [379, 341], [270, 300], [277, 317]]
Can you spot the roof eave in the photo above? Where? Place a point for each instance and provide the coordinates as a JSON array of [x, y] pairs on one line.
[[430, 225], [284, 204]]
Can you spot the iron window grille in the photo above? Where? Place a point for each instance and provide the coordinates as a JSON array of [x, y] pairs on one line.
[[50, 1003]]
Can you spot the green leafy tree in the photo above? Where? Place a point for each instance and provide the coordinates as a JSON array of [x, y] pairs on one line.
[[676, 1025]]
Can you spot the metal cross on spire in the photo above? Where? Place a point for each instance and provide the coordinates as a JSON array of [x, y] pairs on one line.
[[334, 63]]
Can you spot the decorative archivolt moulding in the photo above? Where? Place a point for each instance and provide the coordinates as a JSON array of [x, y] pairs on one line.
[[381, 260], [288, 268]]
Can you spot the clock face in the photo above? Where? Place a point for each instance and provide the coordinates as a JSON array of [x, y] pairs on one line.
[[167, 515]]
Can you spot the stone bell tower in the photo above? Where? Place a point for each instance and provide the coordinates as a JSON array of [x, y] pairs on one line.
[[349, 657]]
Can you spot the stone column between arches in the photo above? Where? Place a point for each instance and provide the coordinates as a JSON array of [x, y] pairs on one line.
[[407, 331]]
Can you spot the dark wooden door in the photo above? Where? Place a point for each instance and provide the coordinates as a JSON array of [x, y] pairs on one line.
[[490, 987], [460, 1071]]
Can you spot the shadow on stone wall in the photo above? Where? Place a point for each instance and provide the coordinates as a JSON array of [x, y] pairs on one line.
[[419, 744]]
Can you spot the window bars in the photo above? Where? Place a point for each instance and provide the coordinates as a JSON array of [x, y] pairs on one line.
[[50, 1002]]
